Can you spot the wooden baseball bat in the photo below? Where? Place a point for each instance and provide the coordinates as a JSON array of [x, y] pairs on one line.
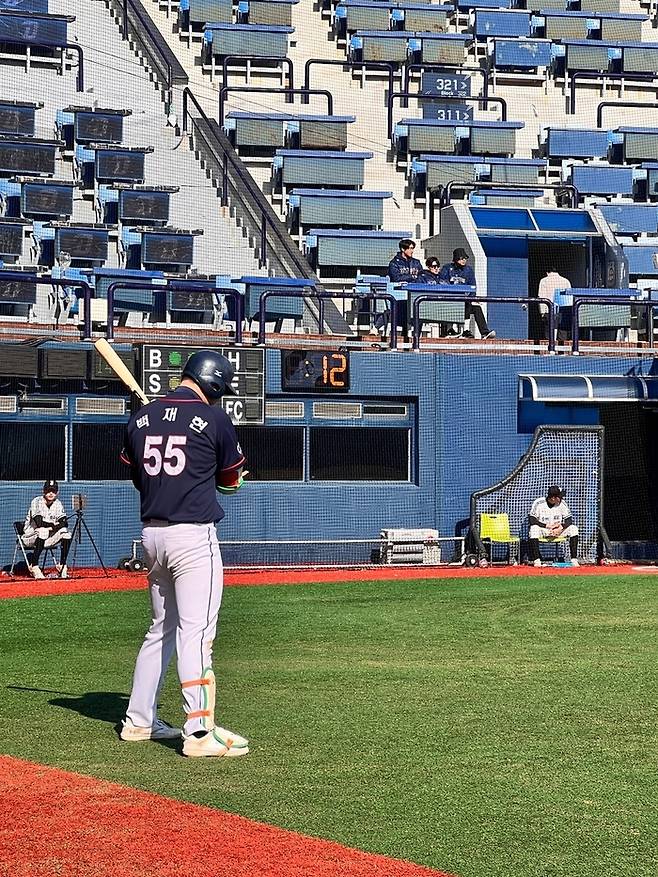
[[119, 368]]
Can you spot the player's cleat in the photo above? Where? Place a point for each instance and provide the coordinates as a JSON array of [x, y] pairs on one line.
[[159, 730], [490, 334], [536, 562], [575, 561], [62, 570], [35, 572], [219, 743]]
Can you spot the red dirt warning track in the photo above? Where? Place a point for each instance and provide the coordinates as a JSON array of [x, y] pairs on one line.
[[57, 823], [123, 581]]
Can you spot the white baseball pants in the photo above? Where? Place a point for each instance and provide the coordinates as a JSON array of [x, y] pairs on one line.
[[186, 580], [539, 532]]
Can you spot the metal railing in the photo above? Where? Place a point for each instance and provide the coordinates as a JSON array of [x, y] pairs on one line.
[[389, 66], [258, 89], [322, 296], [607, 301], [55, 282], [590, 74], [165, 286], [286, 62], [251, 206], [162, 59], [621, 103], [483, 300], [73, 47]]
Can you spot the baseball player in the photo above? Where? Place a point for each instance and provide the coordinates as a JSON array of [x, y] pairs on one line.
[[46, 525], [550, 518], [181, 450]]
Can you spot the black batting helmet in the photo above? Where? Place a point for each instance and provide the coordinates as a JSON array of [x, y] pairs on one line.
[[212, 371]]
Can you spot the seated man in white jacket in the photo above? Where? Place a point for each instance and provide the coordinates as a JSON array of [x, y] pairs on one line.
[[46, 525], [550, 518]]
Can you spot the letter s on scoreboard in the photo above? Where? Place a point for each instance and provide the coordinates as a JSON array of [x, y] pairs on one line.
[[315, 371]]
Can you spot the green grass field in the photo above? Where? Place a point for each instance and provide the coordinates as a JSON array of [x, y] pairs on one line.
[[487, 727]]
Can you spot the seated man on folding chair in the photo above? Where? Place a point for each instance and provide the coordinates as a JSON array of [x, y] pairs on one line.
[[551, 521], [46, 525]]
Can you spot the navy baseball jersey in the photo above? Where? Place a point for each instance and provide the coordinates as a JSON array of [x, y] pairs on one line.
[[176, 447]]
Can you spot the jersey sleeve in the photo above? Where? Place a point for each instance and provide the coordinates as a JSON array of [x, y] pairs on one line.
[[565, 510], [535, 508], [125, 454], [229, 452]]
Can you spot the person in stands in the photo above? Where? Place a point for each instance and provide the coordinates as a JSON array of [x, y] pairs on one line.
[[459, 273]]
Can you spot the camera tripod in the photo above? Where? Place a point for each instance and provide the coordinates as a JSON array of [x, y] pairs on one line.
[[76, 538]]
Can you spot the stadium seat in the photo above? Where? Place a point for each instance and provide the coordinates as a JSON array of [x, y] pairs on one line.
[[495, 530]]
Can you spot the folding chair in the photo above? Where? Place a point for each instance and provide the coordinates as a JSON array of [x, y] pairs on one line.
[[557, 540], [20, 545], [495, 530]]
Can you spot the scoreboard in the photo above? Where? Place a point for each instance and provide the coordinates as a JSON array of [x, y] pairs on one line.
[[162, 366]]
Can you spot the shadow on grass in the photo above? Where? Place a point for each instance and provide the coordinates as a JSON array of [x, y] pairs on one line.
[[106, 706]]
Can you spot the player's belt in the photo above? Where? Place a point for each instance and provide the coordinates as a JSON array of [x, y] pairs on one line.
[[163, 522]]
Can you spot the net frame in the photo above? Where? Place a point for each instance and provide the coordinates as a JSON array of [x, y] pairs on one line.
[[577, 466]]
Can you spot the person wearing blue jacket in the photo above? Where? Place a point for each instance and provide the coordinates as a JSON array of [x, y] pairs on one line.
[[403, 268], [459, 273]]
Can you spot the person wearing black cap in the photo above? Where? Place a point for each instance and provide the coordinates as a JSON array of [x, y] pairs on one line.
[[46, 525], [550, 518], [459, 272]]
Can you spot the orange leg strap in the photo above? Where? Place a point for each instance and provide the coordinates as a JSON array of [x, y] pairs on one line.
[[198, 714], [193, 682]]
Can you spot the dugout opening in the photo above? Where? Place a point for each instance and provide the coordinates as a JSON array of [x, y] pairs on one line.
[[630, 478], [571, 259]]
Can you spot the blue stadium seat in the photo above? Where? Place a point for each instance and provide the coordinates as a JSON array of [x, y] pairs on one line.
[[475, 137], [564, 143], [194, 14], [601, 179], [341, 252], [267, 12], [430, 172], [421, 17], [439, 48], [379, 45], [317, 168], [335, 207], [264, 133], [78, 125], [18, 117], [243, 40], [630, 219]]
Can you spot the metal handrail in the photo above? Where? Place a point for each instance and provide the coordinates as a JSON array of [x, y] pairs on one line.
[[333, 62], [281, 60], [474, 299], [57, 281], [80, 75], [255, 200], [435, 97], [622, 103], [579, 301], [589, 74], [225, 89], [165, 285], [322, 295], [439, 68], [166, 60]]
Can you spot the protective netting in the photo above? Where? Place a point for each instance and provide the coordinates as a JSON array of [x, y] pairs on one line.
[[570, 457], [414, 550]]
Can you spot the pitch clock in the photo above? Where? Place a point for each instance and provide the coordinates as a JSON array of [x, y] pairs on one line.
[[315, 371]]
